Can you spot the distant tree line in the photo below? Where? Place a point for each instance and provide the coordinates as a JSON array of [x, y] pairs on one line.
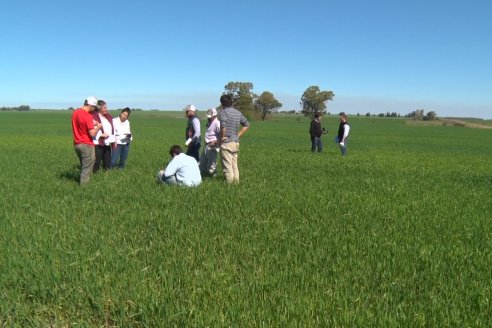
[[254, 106], [419, 114], [313, 101], [22, 108]]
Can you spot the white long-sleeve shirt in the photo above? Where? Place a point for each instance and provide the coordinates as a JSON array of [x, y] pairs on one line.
[[107, 129], [346, 129], [213, 131], [121, 131], [186, 170]]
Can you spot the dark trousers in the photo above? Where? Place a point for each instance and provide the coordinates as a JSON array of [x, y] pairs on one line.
[[193, 150], [103, 153]]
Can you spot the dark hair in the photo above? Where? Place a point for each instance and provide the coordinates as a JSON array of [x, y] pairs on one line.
[[175, 150], [317, 115], [226, 100], [126, 109], [101, 103]]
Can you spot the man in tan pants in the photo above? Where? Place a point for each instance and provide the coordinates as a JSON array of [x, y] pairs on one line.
[[230, 120]]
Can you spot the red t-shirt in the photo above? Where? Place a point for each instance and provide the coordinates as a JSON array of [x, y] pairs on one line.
[[82, 122]]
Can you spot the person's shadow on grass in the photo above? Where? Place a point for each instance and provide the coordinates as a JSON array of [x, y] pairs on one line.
[[72, 175]]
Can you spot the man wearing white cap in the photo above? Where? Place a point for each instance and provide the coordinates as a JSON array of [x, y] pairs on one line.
[[208, 159], [84, 128], [193, 138]]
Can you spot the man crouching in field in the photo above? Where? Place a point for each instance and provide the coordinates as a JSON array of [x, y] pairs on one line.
[[84, 128], [181, 170]]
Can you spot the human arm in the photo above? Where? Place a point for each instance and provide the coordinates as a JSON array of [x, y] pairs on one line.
[[222, 136], [242, 131], [196, 126], [244, 126], [95, 129], [129, 134], [171, 168], [346, 129]]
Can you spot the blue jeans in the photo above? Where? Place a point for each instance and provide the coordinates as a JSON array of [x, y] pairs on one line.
[[316, 143], [343, 148], [121, 153]]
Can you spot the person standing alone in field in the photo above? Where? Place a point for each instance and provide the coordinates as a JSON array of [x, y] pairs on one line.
[[316, 131], [84, 128], [208, 159], [123, 136], [193, 138], [230, 120], [104, 139], [343, 132]]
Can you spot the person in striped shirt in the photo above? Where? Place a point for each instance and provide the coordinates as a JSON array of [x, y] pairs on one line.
[[233, 125]]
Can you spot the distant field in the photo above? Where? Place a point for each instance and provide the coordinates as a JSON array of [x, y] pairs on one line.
[[398, 233], [470, 120]]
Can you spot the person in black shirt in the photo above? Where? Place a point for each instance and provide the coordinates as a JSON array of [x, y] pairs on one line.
[[315, 130], [343, 132]]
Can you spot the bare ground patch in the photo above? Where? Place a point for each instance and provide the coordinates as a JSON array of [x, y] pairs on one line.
[[449, 122]]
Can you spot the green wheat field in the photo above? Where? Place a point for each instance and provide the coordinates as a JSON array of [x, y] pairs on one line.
[[396, 234]]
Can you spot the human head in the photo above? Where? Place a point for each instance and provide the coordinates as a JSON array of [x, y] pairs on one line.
[[190, 110], [175, 150], [317, 116], [226, 100], [125, 114], [90, 103], [102, 107], [211, 113], [343, 117]]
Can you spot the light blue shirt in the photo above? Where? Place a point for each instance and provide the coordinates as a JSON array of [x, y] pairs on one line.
[[186, 170]]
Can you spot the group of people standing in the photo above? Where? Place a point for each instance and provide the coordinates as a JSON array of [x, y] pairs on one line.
[[221, 136], [316, 131], [99, 138]]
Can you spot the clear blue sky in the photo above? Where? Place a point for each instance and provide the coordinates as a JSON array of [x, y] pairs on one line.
[[376, 56]]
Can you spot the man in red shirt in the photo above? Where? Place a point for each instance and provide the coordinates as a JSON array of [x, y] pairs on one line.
[[84, 128]]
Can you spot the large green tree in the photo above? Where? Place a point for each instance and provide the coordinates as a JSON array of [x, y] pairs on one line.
[[266, 103], [242, 95], [314, 100]]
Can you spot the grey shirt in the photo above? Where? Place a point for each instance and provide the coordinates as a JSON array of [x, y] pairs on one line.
[[231, 119]]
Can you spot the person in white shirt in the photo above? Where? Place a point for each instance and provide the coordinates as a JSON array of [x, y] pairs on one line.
[[193, 133], [208, 159], [123, 136], [181, 170], [104, 138], [343, 133]]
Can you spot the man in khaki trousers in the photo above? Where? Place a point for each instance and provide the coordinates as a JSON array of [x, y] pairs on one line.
[[230, 121]]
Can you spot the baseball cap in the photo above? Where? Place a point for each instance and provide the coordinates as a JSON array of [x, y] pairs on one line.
[[211, 112], [190, 108], [92, 101]]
